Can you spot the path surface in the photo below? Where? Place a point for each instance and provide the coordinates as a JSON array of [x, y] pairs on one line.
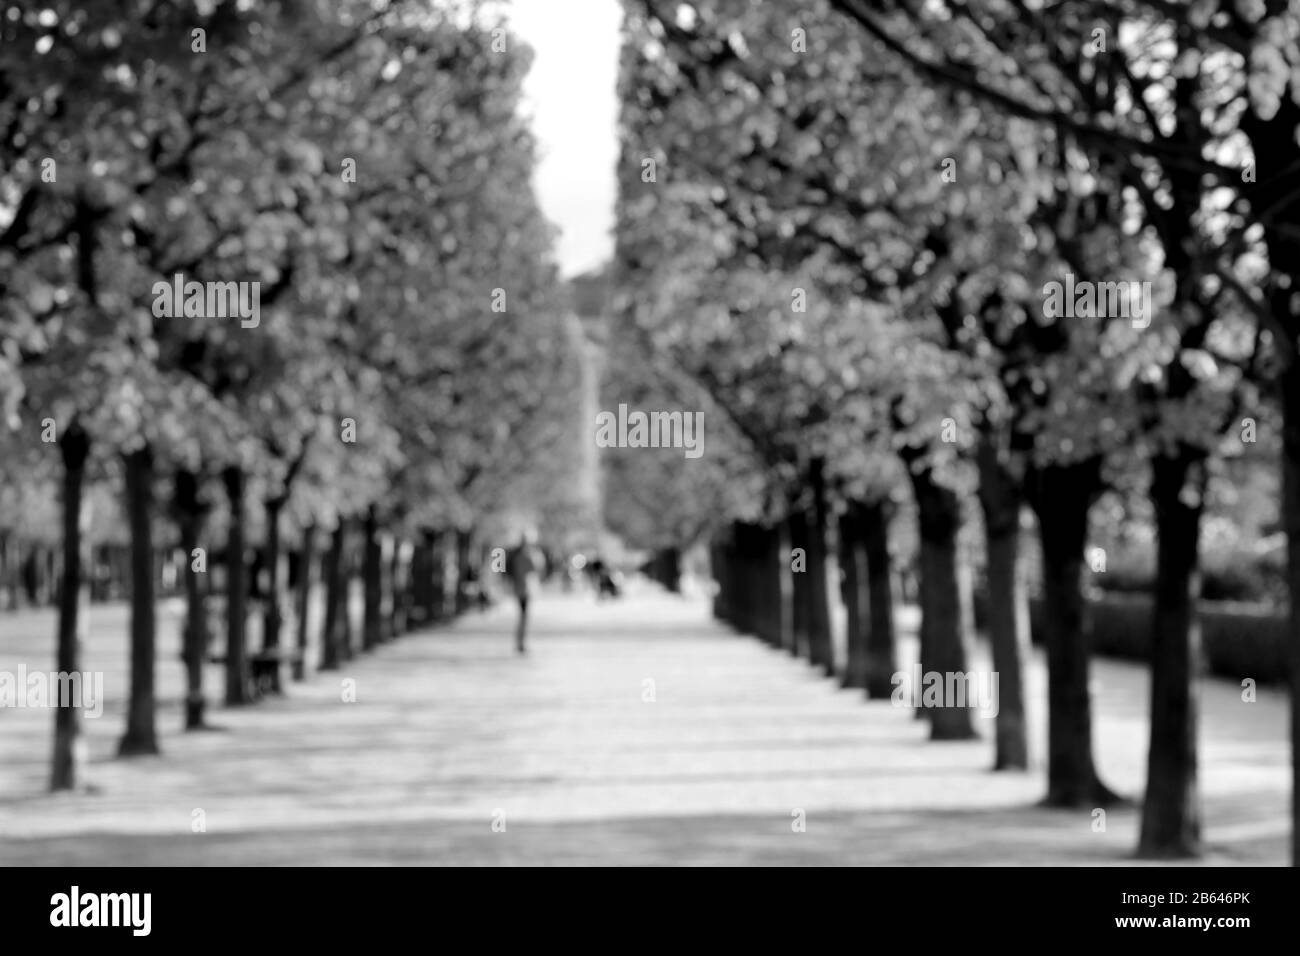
[[451, 731]]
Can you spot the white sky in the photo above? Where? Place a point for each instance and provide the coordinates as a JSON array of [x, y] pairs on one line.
[[570, 96]]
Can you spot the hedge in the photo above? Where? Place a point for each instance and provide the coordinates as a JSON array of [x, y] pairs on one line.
[[1237, 640]]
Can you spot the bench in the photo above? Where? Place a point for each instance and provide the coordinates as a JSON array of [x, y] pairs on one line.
[[263, 667]]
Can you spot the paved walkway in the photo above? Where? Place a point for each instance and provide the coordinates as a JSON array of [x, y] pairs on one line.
[[451, 732]]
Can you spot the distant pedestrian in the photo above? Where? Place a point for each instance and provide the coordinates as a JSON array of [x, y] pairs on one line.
[[604, 578], [522, 567]]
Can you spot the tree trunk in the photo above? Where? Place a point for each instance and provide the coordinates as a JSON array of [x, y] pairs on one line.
[[9, 566], [427, 567], [819, 612], [800, 592], [673, 569], [141, 736], [331, 656], [770, 584], [15, 575], [272, 619], [373, 577], [1273, 140], [1171, 816], [924, 600], [757, 579], [1008, 604], [190, 515], [445, 577], [719, 567], [1061, 496], [751, 548], [1291, 516], [881, 662], [403, 576], [417, 581], [40, 583], [736, 566], [74, 448], [778, 583], [54, 573], [347, 568], [741, 598], [943, 619], [855, 601], [436, 593], [32, 576], [393, 624], [304, 599], [237, 691], [6, 569], [464, 539]]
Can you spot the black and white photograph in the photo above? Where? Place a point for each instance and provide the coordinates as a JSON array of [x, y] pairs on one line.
[[650, 434]]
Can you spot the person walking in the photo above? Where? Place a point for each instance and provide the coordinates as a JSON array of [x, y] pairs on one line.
[[522, 568]]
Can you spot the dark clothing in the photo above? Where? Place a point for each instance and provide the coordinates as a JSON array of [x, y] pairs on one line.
[[523, 622], [521, 567]]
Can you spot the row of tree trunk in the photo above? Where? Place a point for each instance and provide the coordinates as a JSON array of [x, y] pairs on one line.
[[405, 585], [28, 575], [665, 568], [772, 583], [31, 574]]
